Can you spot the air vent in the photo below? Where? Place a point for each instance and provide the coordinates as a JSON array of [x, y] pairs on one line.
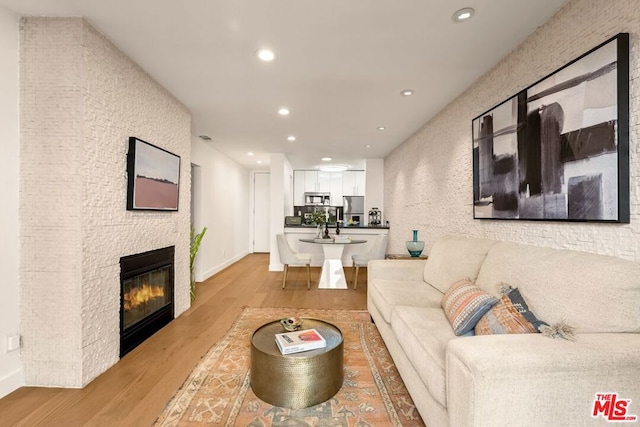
[[205, 138]]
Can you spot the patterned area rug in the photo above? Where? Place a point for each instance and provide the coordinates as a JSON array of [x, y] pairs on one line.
[[218, 392]]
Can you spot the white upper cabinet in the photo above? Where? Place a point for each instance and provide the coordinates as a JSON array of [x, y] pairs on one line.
[[338, 184], [331, 182], [311, 182], [353, 183], [324, 182], [336, 188], [298, 188]]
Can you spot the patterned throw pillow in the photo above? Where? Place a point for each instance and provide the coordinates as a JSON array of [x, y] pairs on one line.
[[464, 304], [511, 315]]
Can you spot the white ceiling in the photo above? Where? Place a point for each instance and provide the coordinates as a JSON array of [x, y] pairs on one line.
[[340, 65]]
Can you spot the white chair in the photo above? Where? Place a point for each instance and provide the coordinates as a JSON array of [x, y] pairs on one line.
[[291, 258], [377, 251]]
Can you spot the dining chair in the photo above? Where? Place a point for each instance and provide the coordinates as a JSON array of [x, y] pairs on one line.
[[376, 251], [289, 257]]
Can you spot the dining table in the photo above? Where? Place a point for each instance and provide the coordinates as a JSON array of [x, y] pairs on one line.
[[332, 274]]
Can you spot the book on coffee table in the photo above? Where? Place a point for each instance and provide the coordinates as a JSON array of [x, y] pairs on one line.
[[298, 341]]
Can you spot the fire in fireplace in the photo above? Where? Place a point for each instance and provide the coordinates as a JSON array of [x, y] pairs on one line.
[[146, 303]]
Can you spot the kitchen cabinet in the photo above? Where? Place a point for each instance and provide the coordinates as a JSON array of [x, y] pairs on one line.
[[305, 182], [298, 188], [335, 188], [311, 181], [348, 183], [324, 182], [331, 182], [353, 183]]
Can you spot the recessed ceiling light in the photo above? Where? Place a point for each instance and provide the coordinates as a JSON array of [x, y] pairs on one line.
[[333, 168], [291, 138], [381, 128], [407, 92], [367, 146], [326, 159], [249, 153], [284, 111], [463, 14], [259, 162], [266, 55]]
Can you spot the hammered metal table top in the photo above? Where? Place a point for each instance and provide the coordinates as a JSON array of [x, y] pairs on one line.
[[297, 380], [263, 338]]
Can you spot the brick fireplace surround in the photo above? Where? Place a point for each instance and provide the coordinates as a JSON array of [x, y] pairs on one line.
[[81, 99]]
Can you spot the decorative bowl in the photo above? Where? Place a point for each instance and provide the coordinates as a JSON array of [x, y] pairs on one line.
[[291, 324]]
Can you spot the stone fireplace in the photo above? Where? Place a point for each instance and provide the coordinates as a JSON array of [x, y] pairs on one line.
[[81, 99], [146, 295]]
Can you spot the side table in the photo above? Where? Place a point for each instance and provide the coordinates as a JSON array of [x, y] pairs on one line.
[[405, 256]]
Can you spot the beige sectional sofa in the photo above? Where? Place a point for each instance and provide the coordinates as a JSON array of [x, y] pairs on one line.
[[515, 379]]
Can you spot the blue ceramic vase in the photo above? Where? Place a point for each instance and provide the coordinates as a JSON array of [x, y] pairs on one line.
[[415, 246]]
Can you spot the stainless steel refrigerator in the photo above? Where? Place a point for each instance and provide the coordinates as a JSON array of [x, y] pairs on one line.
[[353, 207]]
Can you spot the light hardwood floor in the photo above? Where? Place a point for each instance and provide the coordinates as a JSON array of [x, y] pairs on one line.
[[135, 390]]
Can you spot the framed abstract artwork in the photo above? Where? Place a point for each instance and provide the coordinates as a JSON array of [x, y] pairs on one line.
[[559, 149], [153, 177]]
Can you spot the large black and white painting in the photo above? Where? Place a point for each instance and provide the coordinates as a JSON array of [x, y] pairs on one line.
[[558, 150]]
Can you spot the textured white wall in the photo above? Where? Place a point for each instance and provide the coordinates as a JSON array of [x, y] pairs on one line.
[[81, 98], [428, 179], [222, 204], [10, 367]]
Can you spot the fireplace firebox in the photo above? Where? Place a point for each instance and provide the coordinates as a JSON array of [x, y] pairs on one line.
[[146, 295]]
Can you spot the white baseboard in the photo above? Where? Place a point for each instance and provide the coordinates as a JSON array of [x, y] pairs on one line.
[[218, 268], [11, 382]]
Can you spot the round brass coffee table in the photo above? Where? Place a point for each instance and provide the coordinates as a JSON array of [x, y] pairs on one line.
[[296, 380]]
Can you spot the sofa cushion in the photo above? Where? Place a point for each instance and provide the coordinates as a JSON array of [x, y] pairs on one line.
[[453, 258], [385, 294], [423, 334], [593, 293], [511, 315], [464, 305]]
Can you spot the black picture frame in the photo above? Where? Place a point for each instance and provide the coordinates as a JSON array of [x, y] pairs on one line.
[[153, 177], [559, 149]]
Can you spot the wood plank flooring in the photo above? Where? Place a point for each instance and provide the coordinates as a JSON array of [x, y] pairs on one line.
[[135, 390]]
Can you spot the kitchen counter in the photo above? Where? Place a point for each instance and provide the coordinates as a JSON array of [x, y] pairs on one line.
[[342, 227]]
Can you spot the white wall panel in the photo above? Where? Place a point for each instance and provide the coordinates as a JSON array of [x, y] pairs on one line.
[[10, 367]]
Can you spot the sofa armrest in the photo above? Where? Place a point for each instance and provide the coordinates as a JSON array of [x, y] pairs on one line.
[[396, 269], [530, 379]]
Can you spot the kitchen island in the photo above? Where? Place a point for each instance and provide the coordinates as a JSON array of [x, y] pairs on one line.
[[293, 235]]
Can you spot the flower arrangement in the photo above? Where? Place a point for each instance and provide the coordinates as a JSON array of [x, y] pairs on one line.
[[318, 218]]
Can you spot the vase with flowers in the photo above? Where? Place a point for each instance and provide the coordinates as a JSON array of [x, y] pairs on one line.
[[318, 218]]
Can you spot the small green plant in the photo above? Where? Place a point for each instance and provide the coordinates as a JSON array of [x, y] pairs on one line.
[[196, 239], [318, 218]]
